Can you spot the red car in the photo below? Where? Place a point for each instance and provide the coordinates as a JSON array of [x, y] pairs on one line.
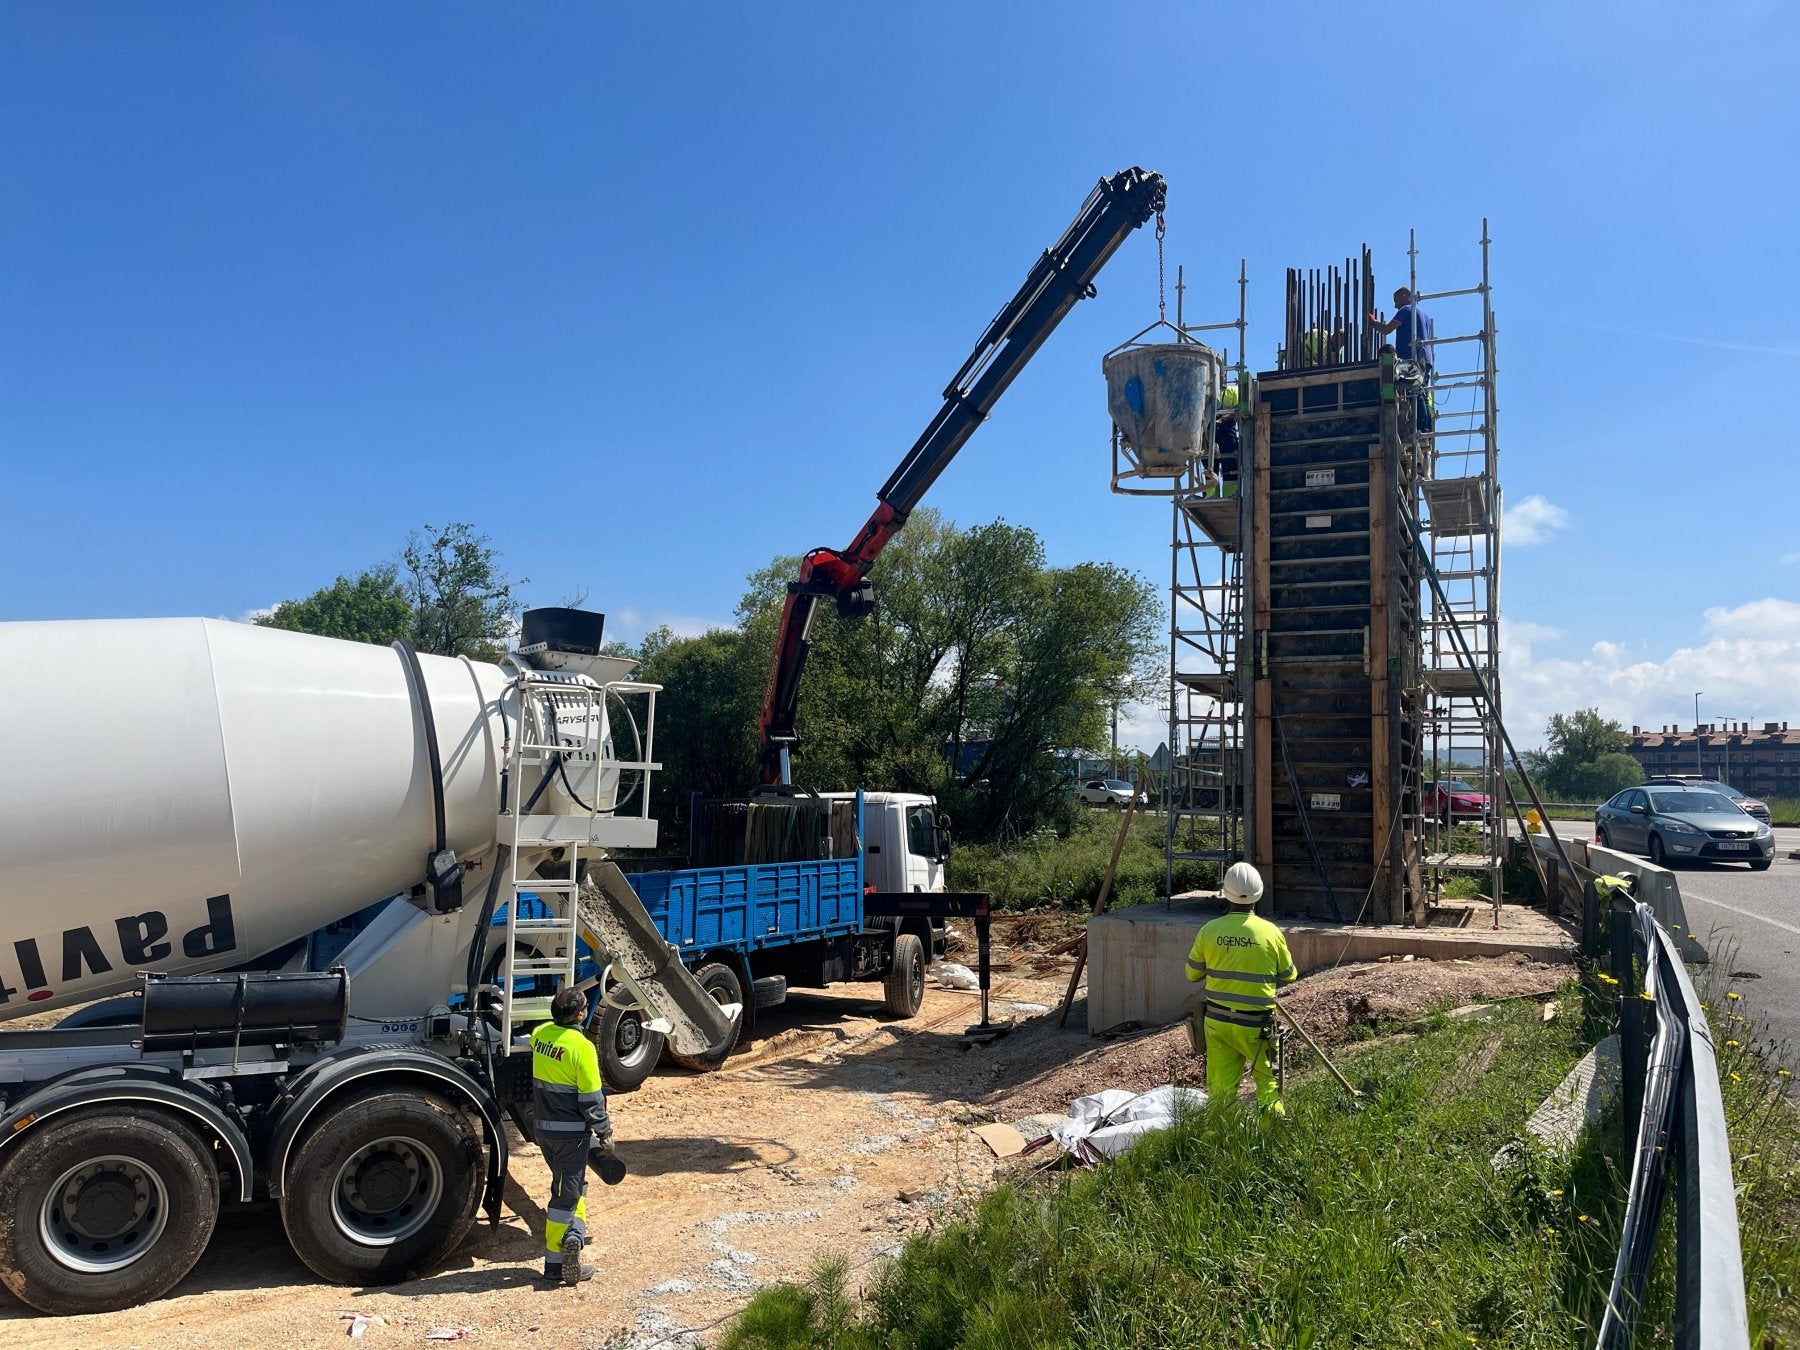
[[1450, 797]]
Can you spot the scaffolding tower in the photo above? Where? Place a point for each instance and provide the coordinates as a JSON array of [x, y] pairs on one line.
[[1204, 800], [1459, 515]]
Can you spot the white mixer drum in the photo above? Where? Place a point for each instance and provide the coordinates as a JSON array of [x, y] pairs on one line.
[[195, 792]]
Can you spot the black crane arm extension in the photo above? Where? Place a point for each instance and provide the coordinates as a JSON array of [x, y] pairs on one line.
[[1063, 275]]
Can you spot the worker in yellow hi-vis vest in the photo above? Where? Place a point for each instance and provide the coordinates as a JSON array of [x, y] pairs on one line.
[[568, 1105], [1242, 958]]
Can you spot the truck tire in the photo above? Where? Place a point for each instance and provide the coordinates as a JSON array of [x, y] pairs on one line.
[[904, 992], [103, 1209], [628, 1049], [722, 983], [384, 1187]]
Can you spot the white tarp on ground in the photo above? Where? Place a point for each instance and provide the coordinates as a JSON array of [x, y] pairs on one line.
[[1107, 1123]]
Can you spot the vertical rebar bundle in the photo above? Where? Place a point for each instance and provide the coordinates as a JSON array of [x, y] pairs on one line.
[[1327, 322]]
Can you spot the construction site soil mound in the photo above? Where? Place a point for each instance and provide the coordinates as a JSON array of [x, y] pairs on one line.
[[832, 1131]]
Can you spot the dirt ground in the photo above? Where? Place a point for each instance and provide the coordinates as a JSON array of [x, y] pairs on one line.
[[803, 1145]]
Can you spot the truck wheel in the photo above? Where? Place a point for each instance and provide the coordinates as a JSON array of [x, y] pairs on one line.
[[722, 983], [905, 988], [628, 1049], [384, 1187], [103, 1209]]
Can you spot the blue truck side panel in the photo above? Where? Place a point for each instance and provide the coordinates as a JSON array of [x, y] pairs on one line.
[[754, 906], [748, 908]]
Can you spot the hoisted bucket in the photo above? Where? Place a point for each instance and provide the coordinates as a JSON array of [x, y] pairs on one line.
[[1163, 398]]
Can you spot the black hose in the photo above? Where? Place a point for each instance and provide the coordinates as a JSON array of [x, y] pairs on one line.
[[478, 944]]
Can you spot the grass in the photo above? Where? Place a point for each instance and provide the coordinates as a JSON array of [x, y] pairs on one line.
[[1388, 1227], [1066, 869], [1385, 1228]]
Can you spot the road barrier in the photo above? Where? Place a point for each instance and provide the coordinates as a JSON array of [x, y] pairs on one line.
[[1671, 1092]]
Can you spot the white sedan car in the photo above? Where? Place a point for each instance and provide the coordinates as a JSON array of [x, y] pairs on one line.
[[1113, 792]]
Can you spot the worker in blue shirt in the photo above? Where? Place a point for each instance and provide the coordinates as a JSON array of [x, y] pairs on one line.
[[1413, 332], [1414, 340]]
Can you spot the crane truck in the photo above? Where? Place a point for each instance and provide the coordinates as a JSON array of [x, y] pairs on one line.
[[188, 803]]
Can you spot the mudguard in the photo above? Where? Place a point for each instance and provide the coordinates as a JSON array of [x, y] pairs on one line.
[[149, 1084], [363, 1065]]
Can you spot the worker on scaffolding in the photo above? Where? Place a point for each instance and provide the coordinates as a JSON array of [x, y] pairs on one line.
[[1414, 341], [1227, 445], [1241, 958], [1321, 347], [572, 1129]]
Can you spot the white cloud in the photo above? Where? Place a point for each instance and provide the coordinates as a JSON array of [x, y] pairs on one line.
[[1788, 558], [252, 615], [1143, 726], [1747, 666], [1532, 521]]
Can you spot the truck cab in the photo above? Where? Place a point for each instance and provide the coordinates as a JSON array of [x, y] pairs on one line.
[[906, 840]]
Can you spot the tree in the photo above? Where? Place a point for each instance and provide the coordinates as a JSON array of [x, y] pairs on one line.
[[1599, 779], [462, 602], [978, 665], [706, 716], [1581, 754], [453, 599], [370, 607]]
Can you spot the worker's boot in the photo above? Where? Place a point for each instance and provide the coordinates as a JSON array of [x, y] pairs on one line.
[[573, 1271]]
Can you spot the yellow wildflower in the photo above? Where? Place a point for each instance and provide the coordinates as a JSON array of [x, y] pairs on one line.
[[1731, 1043], [1736, 1079], [1734, 995]]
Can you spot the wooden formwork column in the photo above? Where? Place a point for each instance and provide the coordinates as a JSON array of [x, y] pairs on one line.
[[1376, 646], [1262, 729]]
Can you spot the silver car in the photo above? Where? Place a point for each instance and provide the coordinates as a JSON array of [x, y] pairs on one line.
[[1673, 824]]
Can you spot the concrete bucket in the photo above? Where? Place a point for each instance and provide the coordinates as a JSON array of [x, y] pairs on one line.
[[1163, 399]]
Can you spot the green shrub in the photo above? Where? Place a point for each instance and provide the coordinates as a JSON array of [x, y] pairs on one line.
[[1066, 867]]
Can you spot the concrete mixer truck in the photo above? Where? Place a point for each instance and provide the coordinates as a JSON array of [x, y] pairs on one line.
[[187, 807], [182, 804]]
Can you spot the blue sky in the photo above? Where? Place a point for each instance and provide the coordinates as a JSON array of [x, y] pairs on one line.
[[651, 294]]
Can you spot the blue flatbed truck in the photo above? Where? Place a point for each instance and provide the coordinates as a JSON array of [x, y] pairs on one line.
[[752, 931]]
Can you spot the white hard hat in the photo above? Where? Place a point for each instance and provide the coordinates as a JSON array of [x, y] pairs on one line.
[[1243, 884]]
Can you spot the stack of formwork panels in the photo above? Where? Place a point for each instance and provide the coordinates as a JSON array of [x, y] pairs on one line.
[[1333, 697]]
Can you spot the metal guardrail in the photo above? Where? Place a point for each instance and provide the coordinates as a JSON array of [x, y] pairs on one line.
[[1671, 1083]]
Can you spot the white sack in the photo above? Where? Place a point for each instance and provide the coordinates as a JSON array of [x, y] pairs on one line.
[[1107, 1123]]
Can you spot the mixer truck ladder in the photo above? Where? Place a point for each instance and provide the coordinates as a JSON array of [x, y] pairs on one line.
[[559, 733]]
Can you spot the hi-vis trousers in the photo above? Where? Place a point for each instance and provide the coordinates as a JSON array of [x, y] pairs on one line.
[[1228, 1048], [566, 1157]]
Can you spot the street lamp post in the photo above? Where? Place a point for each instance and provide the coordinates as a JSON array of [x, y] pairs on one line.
[[1697, 768]]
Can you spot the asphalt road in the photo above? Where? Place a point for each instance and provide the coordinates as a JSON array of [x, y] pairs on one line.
[[1750, 924]]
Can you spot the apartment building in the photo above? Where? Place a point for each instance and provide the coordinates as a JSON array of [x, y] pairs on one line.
[[1764, 763]]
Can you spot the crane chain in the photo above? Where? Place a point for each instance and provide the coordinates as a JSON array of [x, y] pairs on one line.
[[1162, 304]]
